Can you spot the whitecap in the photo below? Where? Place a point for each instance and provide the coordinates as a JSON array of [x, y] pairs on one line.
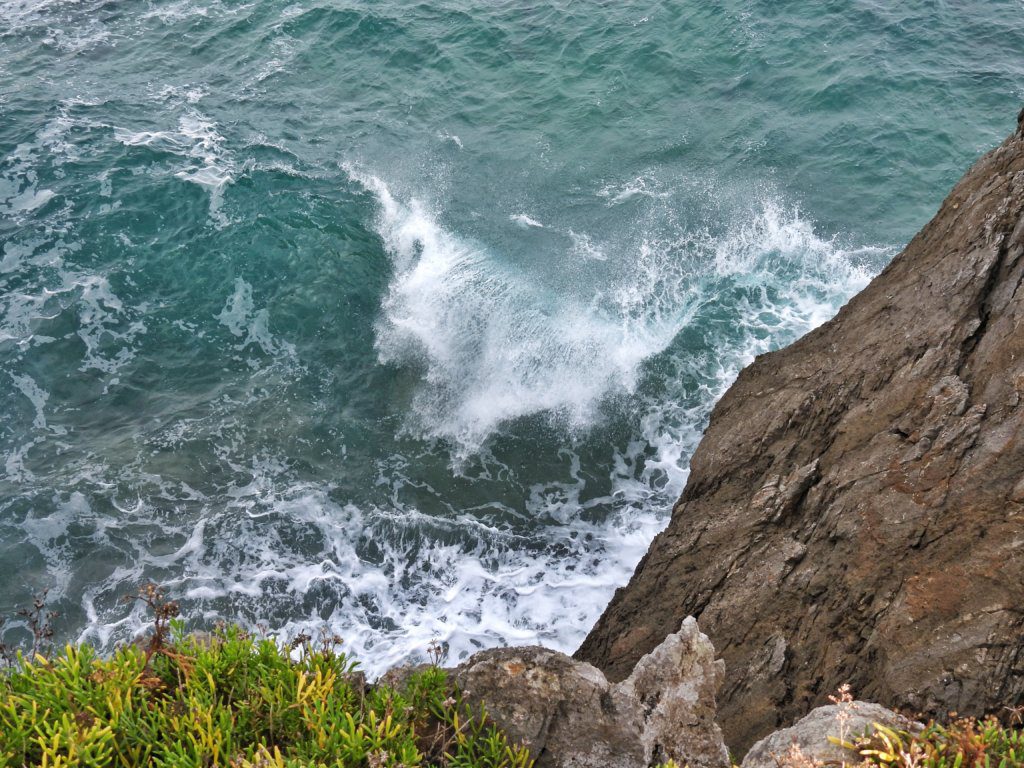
[[640, 186], [491, 347], [524, 221], [445, 136], [211, 165]]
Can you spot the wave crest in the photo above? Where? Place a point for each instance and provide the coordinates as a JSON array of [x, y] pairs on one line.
[[495, 345]]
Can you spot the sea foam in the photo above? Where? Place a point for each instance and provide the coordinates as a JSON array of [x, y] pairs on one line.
[[392, 579], [491, 347], [209, 163]]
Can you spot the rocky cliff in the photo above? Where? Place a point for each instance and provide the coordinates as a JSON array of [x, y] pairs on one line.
[[855, 511]]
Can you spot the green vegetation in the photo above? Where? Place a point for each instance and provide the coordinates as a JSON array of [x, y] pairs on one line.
[[963, 743], [232, 699]]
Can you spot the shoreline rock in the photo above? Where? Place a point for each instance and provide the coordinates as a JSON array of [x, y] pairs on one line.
[[855, 510], [811, 734], [569, 715]]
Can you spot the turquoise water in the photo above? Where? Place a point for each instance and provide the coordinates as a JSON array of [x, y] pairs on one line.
[[404, 318]]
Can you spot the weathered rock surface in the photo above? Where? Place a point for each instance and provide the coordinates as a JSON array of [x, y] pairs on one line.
[[570, 716], [855, 511], [811, 735]]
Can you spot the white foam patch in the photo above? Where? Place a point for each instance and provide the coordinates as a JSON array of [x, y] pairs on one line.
[[445, 136], [36, 395], [211, 165], [49, 533], [251, 325], [181, 10], [525, 221], [641, 186], [108, 331], [84, 36], [20, 194], [14, 463], [583, 246], [181, 94], [104, 322], [390, 581]]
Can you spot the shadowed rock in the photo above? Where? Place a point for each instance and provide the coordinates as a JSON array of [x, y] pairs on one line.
[[855, 511]]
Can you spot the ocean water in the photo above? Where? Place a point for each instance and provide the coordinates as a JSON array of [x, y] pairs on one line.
[[403, 319]]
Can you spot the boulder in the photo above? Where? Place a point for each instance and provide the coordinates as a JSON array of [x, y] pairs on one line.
[[855, 510], [569, 715], [398, 677], [807, 742]]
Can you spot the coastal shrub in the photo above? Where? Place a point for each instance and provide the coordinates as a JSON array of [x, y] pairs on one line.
[[233, 699], [962, 743]]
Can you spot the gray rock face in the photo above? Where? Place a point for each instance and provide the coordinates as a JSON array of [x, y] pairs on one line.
[[855, 511], [811, 735], [570, 716]]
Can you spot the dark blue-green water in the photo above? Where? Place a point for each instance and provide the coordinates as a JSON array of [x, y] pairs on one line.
[[404, 318]]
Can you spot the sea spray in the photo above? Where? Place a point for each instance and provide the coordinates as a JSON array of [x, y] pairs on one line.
[[492, 347]]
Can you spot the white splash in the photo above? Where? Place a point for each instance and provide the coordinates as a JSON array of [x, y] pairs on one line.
[[445, 136], [583, 245], [524, 221], [493, 348]]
